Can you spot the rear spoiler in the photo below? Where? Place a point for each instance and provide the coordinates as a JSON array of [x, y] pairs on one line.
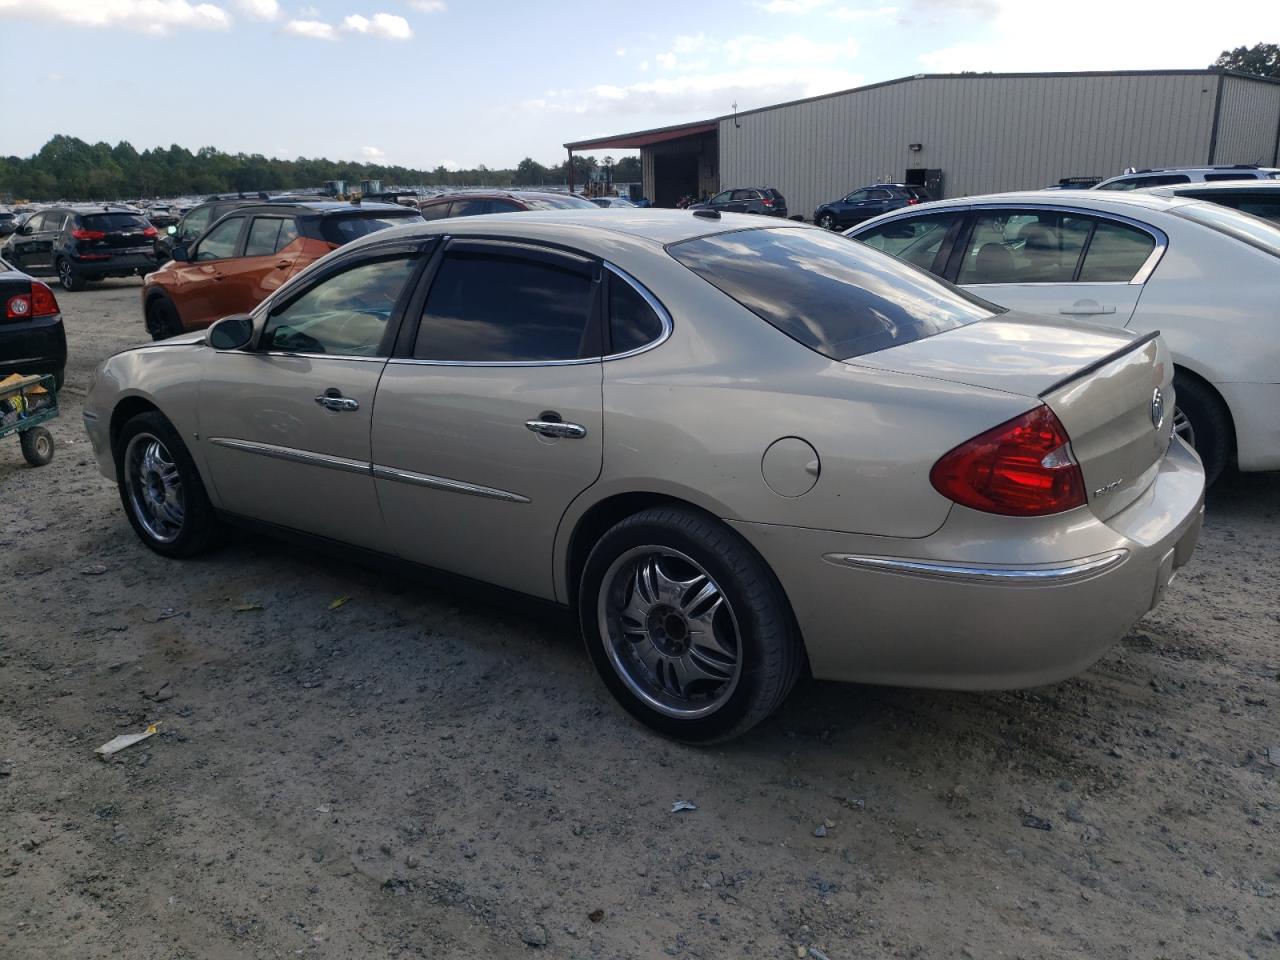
[[1099, 363]]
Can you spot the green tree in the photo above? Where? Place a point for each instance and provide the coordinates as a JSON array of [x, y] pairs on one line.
[[1262, 59], [530, 173]]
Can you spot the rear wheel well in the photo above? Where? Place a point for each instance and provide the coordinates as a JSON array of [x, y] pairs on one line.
[[126, 410], [1222, 404], [593, 524]]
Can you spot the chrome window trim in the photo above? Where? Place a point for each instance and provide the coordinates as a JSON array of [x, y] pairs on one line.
[[309, 356], [445, 484], [293, 455], [663, 316], [1138, 279], [972, 573]]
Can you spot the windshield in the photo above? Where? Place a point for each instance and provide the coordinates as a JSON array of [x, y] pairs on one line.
[[566, 202], [835, 296], [1250, 229], [348, 226]]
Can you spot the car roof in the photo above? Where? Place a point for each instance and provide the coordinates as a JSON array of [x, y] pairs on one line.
[[1063, 198], [322, 207], [1212, 186], [1210, 168], [488, 194], [646, 224]]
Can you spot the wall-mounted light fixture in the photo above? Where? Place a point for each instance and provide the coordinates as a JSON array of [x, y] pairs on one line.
[[915, 147]]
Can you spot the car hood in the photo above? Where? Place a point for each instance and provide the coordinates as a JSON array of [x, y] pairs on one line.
[[1012, 352]]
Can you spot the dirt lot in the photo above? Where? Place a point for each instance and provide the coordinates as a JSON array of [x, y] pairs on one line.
[[429, 773]]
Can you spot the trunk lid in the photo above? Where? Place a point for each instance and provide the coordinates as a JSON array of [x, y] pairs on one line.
[[1100, 383]]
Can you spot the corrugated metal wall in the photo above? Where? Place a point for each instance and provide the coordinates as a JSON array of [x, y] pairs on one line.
[[1248, 122], [985, 133]]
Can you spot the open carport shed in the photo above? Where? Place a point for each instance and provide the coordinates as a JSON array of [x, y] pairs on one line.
[[965, 134]]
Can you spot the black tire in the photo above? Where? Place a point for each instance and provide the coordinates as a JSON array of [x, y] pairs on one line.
[[826, 221], [1208, 424], [162, 319], [37, 446], [72, 280], [198, 529], [768, 645]]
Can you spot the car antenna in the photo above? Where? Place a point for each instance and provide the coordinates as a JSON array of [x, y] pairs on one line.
[[709, 214]]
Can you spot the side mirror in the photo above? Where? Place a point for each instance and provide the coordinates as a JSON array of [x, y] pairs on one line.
[[180, 253], [171, 230], [25, 230], [231, 333]]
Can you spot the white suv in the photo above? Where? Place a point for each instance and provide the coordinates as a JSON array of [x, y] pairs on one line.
[[1165, 176]]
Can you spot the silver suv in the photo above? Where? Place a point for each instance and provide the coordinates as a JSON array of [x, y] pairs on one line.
[[1165, 176]]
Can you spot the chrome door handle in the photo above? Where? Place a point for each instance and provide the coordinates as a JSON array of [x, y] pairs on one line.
[[1086, 310], [557, 428], [338, 402]]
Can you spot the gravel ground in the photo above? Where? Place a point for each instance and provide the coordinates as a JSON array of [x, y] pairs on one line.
[[426, 771]]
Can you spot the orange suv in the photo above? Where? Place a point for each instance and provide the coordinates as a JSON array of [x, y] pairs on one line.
[[249, 253]]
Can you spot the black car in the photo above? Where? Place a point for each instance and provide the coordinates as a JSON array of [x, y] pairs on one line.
[[763, 200], [193, 223], [82, 243], [867, 202], [31, 337]]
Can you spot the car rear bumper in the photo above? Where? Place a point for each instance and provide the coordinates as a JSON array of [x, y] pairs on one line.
[[986, 602], [34, 346], [118, 264]]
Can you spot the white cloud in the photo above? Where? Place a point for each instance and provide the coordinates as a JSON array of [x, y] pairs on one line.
[[792, 6], [260, 9], [644, 66], [667, 61], [54, 77], [148, 16], [311, 29], [429, 6], [860, 14], [1014, 36], [372, 153], [308, 13], [621, 51], [385, 25]]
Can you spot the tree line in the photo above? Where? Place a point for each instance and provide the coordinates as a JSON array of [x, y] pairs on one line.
[[67, 168]]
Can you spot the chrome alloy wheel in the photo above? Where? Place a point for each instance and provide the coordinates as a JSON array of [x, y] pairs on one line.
[[154, 487], [1182, 426], [669, 632]]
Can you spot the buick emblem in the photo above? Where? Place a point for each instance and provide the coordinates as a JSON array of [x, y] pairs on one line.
[[1157, 409]]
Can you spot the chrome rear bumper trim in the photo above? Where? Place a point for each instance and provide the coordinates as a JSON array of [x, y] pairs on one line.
[[445, 484], [1009, 576]]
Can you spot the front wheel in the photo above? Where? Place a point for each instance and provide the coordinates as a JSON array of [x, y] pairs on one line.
[[70, 278], [687, 626], [826, 221], [161, 489], [162, 319]]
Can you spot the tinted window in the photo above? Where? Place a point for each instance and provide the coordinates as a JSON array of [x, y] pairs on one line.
[[722, 197], [469, 208], [1116, 252], [1154, 180], [504, 206], [36, 223], [492, 308], [114, 222], [916, 240], [857, 195], [435, 211], [263, 233], [221, 240], [632, 322], [566, 202], [345, 314], [836, 297], [346, 227], [1267, 209], [195, 223], [1211, 177], [878, 195]]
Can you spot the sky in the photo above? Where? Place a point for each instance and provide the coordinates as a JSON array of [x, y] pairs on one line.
[[464, 82]]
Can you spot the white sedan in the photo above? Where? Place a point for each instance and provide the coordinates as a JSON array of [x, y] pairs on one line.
[[1207, 277]]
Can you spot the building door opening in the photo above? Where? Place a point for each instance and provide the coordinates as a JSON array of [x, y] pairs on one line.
[[930, 179], [675, 175]]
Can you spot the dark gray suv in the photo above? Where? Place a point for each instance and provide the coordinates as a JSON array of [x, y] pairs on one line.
[[867, 202], [764, 200]]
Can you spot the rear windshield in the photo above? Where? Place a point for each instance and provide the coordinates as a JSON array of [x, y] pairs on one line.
[[838, 297], [346, 227], [112, 222], [566, 202], [1252, 230]]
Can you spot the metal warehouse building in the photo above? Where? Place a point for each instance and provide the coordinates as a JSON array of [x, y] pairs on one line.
[[965, 133]]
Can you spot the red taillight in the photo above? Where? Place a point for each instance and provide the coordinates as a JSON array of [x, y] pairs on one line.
[[1022, 468], [80, 234], [43, 302], [18, 308], [913, 201], [149, 232], [767, 202]]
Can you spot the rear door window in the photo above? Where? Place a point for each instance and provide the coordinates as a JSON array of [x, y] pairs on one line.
[[838, 298], [494, 304], [915, 239], [472, 207], [1037, 246], [220, 242], [435, 211], [1116, 253], [263, 233]]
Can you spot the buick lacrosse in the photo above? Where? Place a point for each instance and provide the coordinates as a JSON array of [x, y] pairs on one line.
[[740, 450]]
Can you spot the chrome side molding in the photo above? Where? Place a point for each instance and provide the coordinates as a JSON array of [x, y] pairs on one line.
[[293, 455], [445, 484], [973, 573]]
